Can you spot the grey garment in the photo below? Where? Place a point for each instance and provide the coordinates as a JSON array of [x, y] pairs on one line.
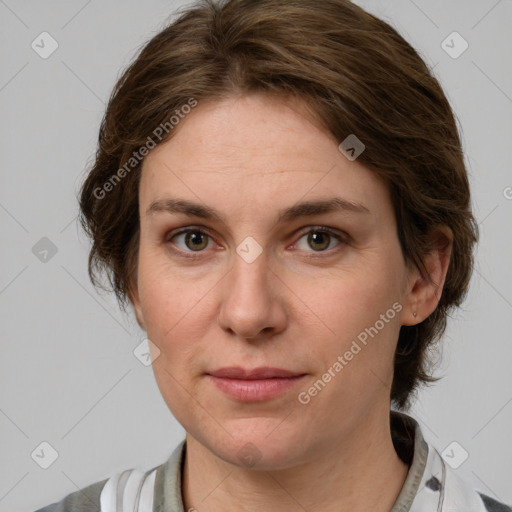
[[492, 505], [84, 500], [413, 450], [407, 439], [168, 496]]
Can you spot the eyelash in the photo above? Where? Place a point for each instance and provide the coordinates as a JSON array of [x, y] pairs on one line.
[[341, 238]]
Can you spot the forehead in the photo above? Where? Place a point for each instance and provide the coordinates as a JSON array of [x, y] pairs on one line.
[[241, 151]]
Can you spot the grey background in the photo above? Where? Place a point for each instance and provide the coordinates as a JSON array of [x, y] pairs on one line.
[[67, 369]]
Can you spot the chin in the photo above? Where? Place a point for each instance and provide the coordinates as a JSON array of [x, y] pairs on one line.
[[257, 446]]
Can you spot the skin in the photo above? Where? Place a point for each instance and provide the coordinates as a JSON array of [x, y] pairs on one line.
[[293, 307]]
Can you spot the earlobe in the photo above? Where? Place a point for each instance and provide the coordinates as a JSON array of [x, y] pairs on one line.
[[427, 284]]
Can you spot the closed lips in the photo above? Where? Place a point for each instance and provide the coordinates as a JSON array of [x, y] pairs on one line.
[[235, 372]]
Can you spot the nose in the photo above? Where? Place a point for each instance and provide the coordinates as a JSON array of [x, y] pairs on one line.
[[253, 300]]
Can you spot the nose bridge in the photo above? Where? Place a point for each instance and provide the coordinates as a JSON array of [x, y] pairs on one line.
[[248, 279], [249, 304]]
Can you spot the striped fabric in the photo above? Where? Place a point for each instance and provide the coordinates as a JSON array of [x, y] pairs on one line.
[[431, 484], [129, 491]]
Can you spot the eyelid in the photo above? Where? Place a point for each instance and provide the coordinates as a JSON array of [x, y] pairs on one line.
[[183, 231], [324, 229], [341, 236], [194, 229]]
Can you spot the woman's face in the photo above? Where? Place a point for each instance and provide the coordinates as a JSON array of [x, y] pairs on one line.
[[266, 283]]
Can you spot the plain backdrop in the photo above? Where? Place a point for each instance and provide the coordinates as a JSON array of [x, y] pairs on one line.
[[69, 377]]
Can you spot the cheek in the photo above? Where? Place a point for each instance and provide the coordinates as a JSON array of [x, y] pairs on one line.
[[361, 310], [174, 318], [349, 301], [355, 358], [177, 310], [164, 295]]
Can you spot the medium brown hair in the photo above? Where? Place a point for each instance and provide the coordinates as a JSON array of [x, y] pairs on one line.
[[357, 74]]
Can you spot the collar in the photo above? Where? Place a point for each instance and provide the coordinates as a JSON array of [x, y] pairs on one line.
[[407, 438], [431, 485]]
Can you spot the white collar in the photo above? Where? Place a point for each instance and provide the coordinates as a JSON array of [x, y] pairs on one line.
[[431, 484]]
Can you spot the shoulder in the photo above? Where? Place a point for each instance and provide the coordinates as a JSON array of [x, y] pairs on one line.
[[131, 486], [491, 505], [461, 495], [159, 488], [433, 483], [455, 492], [83, 500]]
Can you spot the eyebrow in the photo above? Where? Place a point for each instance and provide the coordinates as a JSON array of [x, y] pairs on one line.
[[304, 209]]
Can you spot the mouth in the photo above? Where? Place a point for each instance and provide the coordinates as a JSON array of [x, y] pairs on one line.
[[256, 385]]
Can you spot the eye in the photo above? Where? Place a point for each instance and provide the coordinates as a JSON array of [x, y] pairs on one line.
[[319, 239], [193, 240]]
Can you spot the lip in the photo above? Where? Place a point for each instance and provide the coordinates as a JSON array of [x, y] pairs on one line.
[[255, 385], [262, 372]]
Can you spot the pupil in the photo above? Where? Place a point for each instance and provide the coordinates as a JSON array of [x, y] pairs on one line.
[[317, 238], [195, 238]]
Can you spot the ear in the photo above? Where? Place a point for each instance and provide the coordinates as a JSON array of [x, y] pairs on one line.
[[425, 286], [135, 300]]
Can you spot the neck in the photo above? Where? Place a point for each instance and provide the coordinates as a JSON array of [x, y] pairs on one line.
[[360, 472]]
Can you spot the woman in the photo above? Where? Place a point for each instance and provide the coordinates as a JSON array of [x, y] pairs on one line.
[[280, 193]]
